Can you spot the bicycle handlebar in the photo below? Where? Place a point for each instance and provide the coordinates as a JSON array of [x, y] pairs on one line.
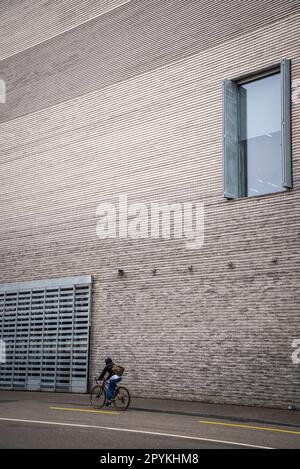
[[96, 379]]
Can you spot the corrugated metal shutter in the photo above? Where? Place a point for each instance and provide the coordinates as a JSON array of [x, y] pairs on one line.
[[231, 157], [286, 128], [45, 326]]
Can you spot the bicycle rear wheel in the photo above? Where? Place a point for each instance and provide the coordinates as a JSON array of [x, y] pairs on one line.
[[98, 396], [121, 399]]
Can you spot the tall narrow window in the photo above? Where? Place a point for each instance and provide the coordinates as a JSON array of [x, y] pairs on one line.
[[257, 134], [260, 135]]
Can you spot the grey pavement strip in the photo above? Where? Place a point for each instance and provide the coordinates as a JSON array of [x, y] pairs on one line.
[[215, 416]]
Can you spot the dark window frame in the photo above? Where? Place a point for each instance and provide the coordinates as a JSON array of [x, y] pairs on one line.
[[233, 166]]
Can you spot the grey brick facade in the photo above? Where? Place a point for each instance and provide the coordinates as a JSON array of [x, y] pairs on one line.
[[130, 102]]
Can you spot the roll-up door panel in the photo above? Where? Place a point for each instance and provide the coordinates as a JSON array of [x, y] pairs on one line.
[[45, 328]]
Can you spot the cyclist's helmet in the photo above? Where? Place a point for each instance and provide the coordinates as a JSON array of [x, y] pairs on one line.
[[108, 360]]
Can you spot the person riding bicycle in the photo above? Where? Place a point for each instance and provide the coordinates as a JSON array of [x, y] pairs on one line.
[[112, 379]]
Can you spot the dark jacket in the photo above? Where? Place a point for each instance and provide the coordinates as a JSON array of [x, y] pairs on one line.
[[107, 369]]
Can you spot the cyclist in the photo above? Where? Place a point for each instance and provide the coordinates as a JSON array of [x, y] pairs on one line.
[[112, 379]]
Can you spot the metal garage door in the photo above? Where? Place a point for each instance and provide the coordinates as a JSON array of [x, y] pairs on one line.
[[45, 328]]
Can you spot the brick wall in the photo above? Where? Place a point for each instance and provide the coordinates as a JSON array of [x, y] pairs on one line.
[[215, 334]]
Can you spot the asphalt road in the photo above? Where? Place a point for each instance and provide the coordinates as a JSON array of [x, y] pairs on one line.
[[48, 420]]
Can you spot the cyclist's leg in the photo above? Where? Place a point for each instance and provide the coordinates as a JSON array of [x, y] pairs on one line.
[[111, 386]]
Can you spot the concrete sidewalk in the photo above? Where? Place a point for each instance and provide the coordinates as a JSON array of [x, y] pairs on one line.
[[219, 411]]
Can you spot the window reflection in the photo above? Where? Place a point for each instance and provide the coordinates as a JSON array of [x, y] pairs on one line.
[[260, 135]]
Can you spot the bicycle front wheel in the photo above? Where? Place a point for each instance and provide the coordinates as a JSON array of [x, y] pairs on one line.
[[98, 396], [122, 398]]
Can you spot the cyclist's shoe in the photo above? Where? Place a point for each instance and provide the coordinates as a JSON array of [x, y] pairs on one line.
[[107, 404]]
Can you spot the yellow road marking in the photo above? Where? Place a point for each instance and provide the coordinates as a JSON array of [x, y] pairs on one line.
[[86, 410], [250, 426]]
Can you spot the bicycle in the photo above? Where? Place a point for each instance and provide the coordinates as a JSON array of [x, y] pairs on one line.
[[98, 396]]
